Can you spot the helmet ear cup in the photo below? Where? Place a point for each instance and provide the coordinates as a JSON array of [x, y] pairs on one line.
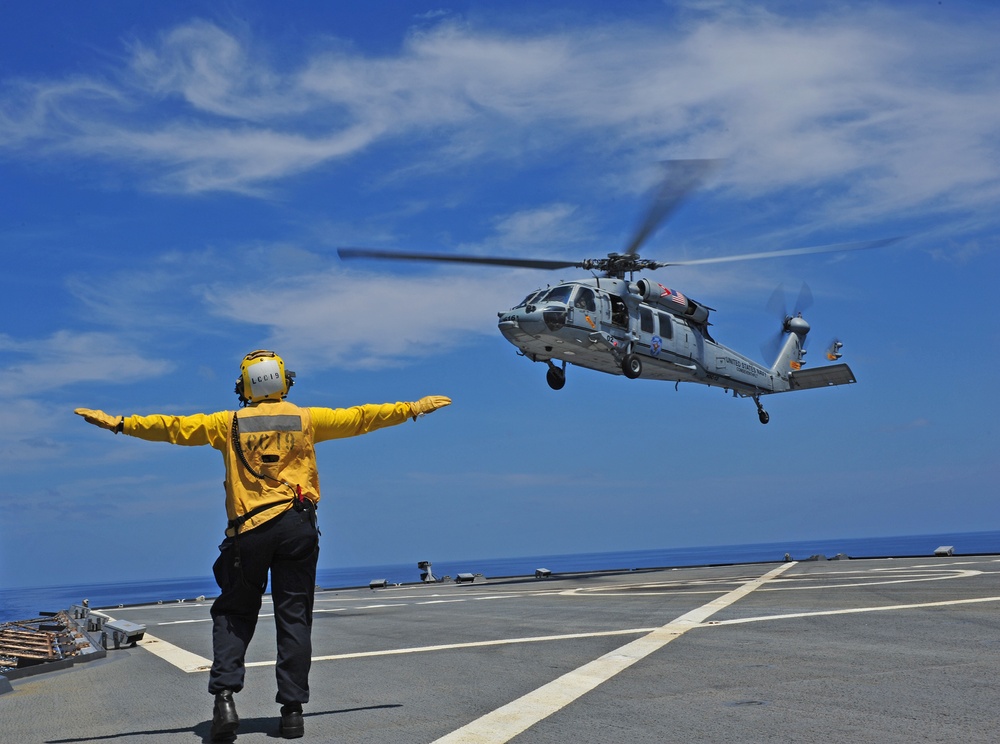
[[239, 391]]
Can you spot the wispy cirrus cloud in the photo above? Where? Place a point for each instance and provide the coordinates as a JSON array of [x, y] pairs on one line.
[[67, 358], [791, 102], [356, 320]]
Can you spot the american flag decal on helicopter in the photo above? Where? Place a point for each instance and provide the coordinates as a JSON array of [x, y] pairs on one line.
[[674, 295]]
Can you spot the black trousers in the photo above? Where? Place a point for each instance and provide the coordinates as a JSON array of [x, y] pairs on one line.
[[287, 547]]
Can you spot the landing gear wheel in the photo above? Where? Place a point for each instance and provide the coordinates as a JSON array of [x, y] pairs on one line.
[[556, 378], [632, 366]]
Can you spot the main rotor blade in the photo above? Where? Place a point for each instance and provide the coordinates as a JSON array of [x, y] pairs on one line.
[[683, 177], [834, 248], [526, 263]]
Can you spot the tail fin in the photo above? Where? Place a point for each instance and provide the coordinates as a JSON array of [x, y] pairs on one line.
[[790, 358]]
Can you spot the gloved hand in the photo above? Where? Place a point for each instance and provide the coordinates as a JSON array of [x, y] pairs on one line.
[[428, 404], [100, 418]]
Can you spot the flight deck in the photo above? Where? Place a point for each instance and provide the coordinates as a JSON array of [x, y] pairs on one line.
[[870, 650]]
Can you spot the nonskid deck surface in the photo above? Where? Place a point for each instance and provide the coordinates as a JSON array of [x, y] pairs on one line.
[[853, 650]]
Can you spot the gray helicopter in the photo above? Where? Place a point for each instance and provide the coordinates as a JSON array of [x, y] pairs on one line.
[[611, 323]]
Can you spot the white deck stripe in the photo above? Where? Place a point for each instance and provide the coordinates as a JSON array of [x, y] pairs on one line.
[[855, 610], [183, 660], [470, 644], [503, 724], [190, 662]]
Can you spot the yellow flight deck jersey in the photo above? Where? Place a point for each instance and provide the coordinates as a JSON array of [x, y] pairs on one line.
[[277, 439]]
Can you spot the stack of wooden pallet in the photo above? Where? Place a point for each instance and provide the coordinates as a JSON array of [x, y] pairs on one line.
[[36, 641]]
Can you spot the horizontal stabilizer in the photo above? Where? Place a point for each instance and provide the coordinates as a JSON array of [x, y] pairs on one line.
[[828, 376]]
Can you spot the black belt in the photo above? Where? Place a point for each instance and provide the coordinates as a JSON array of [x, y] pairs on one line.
[[299, 503]]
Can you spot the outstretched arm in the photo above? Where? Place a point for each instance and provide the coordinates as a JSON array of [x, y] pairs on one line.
[[193, 430], [337, 423]]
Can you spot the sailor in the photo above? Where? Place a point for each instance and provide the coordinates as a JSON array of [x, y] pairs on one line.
[[272, 491]]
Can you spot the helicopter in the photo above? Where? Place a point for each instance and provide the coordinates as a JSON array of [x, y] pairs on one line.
[[612, 323]]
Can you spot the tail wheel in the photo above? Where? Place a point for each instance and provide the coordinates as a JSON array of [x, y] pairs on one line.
[[632, 366], [761, 413]]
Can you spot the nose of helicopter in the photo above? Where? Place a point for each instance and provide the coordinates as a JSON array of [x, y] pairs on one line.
[[532, 320]]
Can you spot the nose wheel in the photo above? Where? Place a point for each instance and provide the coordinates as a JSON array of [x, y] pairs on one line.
[[555, 376], [761, 413]]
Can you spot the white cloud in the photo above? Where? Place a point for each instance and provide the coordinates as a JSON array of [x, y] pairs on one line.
[[67, 358], [214, 72], [542, 226], [359, 319], [906, 108], [212, 158]]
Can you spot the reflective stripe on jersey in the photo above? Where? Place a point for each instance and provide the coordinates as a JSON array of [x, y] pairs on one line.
[[257, 424]]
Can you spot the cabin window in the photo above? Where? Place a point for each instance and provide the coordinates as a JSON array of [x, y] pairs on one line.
[[559, 294], [646, 320], [619, 311], [585, 299], [666, 326]]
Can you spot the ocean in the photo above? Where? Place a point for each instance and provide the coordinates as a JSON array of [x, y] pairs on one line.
[[22, 604]]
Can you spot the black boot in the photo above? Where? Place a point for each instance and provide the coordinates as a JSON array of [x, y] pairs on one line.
[[292, 726], [224, 718]]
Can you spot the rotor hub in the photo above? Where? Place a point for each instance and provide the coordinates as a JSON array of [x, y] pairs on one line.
[[797, 325]]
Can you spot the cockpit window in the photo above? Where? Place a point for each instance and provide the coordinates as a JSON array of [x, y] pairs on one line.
[[530, 298], [585, 299], [559, 294]]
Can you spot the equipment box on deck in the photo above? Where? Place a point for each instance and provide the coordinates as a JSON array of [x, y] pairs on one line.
[[122, 633]]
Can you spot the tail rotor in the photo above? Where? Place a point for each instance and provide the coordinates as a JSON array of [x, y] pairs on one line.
[[777, 305]]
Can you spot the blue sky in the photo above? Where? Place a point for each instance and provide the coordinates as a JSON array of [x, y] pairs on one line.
[[176, 178]]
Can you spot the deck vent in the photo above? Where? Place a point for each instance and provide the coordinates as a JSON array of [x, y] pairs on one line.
[[426, 575]]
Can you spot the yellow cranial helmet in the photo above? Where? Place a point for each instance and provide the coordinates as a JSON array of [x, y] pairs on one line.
[[263, 377]]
